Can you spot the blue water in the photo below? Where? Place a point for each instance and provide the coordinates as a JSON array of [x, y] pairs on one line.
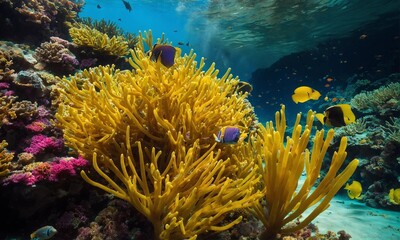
[[244, 35], [250, 35]]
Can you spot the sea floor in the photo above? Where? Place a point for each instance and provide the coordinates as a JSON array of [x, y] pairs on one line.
[[358, 220]]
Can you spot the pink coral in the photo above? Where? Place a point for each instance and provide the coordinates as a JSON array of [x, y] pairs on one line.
[[48, 171], [4, 85], [25, 178], [43, 112], [66, 167], [40, 143]]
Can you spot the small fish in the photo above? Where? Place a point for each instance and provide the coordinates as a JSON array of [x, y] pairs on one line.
[[337, 116], [354, 190], [175, 30], [164, 53], [43, 233], [326, 98], [329, 79], [229, 135], [98, 6], [243, 87], [187, 44], [327, 85], [181, 43], [394, 196], [119, 19], [363, 36], [127, 5], [304, 93]]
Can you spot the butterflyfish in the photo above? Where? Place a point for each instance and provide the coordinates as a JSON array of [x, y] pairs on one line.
[[394, 196], [229, 135], [304, 93], [164, 54], [337, 116], [354, 190], [43, 233]]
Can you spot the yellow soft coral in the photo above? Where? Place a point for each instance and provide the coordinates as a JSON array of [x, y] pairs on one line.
[[149, 133], [191, 196], [156, 102], [83, 35], [283, 162], [5, 159]]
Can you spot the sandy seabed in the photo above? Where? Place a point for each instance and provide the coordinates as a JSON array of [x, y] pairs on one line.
[[358, 220]]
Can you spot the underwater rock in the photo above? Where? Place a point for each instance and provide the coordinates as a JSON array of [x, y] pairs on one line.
[[31, 83]]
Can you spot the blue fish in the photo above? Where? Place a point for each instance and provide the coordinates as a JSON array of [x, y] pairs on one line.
[[163, 53], [229, 135], [43, 233]]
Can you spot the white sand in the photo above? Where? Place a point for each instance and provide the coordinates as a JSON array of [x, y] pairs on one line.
[[359, 220]]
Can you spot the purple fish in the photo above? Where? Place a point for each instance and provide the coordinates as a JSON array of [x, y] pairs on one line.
[[164, 53], [228, 135]]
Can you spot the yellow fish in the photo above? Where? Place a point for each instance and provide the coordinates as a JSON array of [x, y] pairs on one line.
[[304, 93], [394, 196], [337, 116], [354, 190]]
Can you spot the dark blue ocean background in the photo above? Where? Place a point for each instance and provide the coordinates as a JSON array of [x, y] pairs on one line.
[[275, 45]]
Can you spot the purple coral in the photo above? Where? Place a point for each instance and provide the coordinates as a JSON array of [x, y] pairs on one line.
[[69, 59], [40, 143], [87, 62], [72, 219]]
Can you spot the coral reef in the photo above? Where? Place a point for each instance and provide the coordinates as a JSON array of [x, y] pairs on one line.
[[382, 99], [151, 139], [391, 129], [27, 116], [53, 171], [88, 37], [284, 164], [5, 158], [374, 137], [56, 52], [161, 133], [39, 19], [111, 29]]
